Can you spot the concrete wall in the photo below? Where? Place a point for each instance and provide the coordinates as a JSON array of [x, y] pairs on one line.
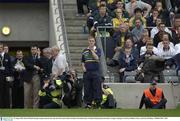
[[28, 21], [128, 96]]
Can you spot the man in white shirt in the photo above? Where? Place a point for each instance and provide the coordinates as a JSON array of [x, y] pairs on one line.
[[60, 64], [155, 30], [133, 4], [166, 51]]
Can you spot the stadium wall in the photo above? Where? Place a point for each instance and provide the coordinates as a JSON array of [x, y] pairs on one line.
[[28, 21], [128, 96]]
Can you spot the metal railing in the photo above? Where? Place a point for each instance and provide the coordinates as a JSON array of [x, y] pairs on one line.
[[63, 29]]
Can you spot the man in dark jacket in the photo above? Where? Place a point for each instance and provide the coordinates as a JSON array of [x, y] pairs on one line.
[[5, 78]]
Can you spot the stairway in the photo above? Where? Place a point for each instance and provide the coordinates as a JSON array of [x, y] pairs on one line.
[[76, 37]]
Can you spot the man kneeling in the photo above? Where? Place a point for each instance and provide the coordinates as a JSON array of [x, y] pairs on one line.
[[153, 97]]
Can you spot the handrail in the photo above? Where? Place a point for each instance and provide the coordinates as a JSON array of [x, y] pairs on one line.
[[61, 12]]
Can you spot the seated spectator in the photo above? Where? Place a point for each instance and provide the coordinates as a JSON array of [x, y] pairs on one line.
[[177, 48], [155, 30], [175, 6], [143, 40], [119, 37], [102, 19], [176, 60], [120, 5], [151, 21], [133, 4], [144, 48], [137, 30], [176, 29], [158, 37], [119, 18], [138, 15], [127, 58], [95, 11], [166, 51], [163, 13], [148, 53]]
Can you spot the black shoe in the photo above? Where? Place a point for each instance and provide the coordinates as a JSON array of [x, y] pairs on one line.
[[88, 107]]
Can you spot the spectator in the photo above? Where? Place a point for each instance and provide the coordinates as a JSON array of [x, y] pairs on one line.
[[133, 4], [163, 13], [176, 29], [18, 84], [127, 58], [148, 53], [91, 76], [119, 38], [5, 73], [153, 97], [151, 21], [137, 30], [144, 48], [80, 4], [32, 79], [158, 37], [102, 19], [121, 5], [60, 64], [138, 15], [156, 29], [119, 18], [166, 51], [143, 40]]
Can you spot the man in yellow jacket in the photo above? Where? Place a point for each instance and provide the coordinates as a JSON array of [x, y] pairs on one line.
[[153, 97]]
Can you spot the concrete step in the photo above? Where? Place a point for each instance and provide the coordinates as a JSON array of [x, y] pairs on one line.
[[74, 30], [76, 44], [75, 56], [76, 23], [79, 69], [70, 2], [77, 36], [76, 49]]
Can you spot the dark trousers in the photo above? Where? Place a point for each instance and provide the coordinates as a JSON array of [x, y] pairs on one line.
[[92, 87], [17, 96], [80, 4], [4, 93], [160, 105], [51, 105]]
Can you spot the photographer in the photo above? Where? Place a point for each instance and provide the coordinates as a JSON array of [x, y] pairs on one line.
[[50, 94], [72, 87]]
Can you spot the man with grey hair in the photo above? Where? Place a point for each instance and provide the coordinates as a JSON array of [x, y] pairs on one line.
[[60, 64]]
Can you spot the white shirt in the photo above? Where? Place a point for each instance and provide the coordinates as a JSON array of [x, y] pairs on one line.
[[143, 50], [177, 48], [160, 45], [60, 65], [155, 30], [166, 54]]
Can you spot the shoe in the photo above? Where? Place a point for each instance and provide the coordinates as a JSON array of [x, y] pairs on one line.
[[88, 107]]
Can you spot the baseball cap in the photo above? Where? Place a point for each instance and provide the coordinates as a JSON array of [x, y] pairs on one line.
[[153, 82]]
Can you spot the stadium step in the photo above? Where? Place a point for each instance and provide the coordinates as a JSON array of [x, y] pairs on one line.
[[75, 33]]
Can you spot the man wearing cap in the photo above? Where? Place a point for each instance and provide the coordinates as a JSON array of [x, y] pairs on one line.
[[153, 97]]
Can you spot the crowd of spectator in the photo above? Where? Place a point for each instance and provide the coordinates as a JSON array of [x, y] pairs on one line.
[[138, 28]]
